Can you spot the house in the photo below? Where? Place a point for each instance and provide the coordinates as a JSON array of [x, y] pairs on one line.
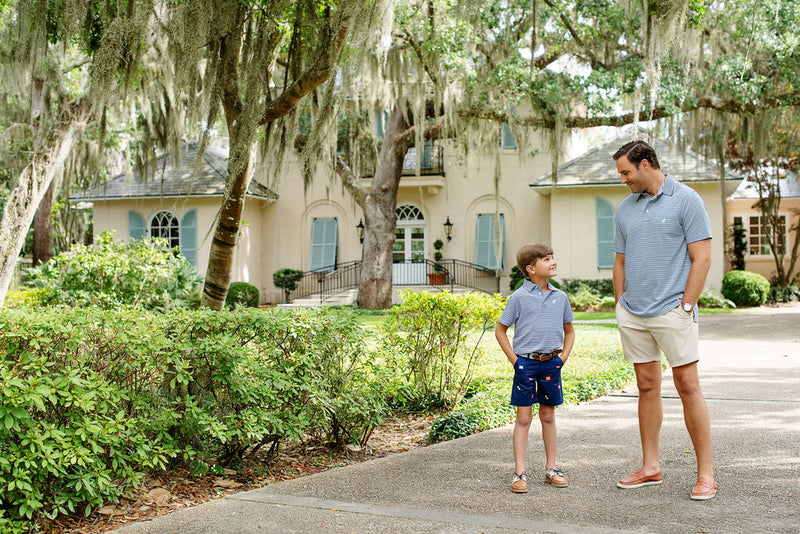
[[743, 210], [582, 201], [454, 198], [311, 229]]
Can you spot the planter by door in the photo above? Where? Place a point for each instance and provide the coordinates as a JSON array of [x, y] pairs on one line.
[[436, 279]]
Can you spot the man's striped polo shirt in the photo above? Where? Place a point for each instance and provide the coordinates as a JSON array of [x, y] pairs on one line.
[[653, 234]]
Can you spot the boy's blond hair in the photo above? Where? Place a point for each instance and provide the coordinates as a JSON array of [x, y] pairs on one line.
[[530, 254]]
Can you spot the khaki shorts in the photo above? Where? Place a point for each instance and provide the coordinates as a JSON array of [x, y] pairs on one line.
[[644, 338]]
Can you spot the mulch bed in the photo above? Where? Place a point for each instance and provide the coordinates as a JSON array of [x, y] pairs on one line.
[[169, 492]]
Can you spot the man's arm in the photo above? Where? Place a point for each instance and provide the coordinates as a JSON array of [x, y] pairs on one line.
[[502, 338], [619, 276], [700, 254], [569, 341]]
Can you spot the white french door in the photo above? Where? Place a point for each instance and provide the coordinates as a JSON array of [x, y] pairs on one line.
[[408, 253]]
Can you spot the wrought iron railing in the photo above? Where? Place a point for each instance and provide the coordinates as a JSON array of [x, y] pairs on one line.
[[312, 282], [444, 274], [466, 274], [344, 278], [431, 162]]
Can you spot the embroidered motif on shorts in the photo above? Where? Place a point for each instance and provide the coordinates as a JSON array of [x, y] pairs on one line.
[[548, 378]]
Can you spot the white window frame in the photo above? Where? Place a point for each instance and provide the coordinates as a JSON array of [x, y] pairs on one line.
[[174, 241], [746, 222]]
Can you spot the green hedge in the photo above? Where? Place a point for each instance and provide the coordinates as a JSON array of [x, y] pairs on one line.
[[745, 288], [241, 294], [91, 400]]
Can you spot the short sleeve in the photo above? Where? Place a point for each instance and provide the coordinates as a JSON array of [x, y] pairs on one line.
[[695, 221], [568, 316], [511, 311]]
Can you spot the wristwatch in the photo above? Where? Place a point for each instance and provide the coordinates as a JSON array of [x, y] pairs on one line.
[[687, 307]]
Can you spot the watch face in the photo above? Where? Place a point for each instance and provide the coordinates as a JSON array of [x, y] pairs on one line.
[[688, 307]]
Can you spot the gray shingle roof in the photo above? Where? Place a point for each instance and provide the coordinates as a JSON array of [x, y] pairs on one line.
[[597, 168], [790, 188], [166, 179]]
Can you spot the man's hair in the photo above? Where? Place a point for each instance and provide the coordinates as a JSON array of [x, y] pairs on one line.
[[530, 254], [636, 151]]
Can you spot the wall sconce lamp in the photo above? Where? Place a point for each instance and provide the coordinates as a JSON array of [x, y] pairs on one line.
[[448, 227], [360, 230]]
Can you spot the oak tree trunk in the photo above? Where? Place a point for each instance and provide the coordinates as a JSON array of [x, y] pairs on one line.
[[380, 218], [43, 229]]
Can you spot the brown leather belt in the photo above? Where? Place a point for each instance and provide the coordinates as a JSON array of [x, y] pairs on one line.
[[541, 356]]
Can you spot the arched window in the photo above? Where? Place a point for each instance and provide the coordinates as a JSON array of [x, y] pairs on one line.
[[604, 214], [409, 212], [165, 224]]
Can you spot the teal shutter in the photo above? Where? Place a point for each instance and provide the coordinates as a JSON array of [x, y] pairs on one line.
[[188, 236], [486, 248], [324, 242], [136, 226], [508, 140], [604, 214]]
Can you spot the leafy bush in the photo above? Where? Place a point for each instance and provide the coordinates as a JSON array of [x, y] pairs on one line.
[[92, 400], [428, 339], [602, 287], [242, 294], [484, 410], [109, 274], [584, 298], [517, 278], [25, 297], [286, 279], [745, 288], [712, 299], [783, 294]]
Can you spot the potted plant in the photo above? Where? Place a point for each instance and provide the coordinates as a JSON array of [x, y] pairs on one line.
[[287, 280], [438, 276]]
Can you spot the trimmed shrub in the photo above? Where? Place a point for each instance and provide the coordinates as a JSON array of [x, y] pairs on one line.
[[745, 288], [286, 279], [242, 294]]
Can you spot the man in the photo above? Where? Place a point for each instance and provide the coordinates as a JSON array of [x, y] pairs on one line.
[[663, 254]]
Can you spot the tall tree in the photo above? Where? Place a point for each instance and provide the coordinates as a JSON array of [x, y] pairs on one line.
[[456, 69], [257, 60], [90, 51]]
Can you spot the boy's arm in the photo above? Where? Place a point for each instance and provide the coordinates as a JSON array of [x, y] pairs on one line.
[[569, 341], [505, 344]]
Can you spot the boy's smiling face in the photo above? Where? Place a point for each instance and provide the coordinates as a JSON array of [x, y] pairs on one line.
[[543, 268]]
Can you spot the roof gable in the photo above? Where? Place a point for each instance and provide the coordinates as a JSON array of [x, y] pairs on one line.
[[789, 185], [166, 178], [597, 167]]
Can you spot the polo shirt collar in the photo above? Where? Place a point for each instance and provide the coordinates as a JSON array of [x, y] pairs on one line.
[[530, 286], [667, 188]]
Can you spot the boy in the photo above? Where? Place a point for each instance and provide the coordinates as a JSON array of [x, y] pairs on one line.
[[543, 322]]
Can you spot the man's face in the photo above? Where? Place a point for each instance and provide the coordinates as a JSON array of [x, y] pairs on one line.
[[630, 175]]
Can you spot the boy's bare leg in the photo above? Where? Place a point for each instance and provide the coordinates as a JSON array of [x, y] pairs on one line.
[[695, 414], [651, 413], [547, 416], [520, 440]]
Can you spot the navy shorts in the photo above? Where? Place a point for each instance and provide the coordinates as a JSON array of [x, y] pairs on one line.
[[537, 382]]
